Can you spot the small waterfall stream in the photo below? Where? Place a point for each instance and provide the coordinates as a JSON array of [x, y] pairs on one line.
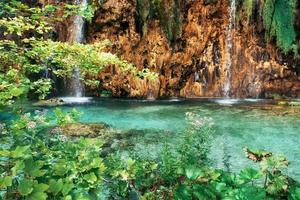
[[229, 48], [77, 35]]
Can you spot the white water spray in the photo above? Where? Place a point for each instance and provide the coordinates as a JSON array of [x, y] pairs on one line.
[[77, 35], [229, 48]]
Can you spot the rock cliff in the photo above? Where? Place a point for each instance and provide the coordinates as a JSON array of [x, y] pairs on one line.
[[187, 45]]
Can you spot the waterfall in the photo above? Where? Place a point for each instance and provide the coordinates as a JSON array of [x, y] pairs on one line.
[[197, 76], [229, 48], [77, 34]]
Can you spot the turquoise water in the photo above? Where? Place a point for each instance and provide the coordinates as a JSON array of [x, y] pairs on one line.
[[257, 124]]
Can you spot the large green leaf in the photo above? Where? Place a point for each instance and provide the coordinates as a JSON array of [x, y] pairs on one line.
[[66, 188], [55, 186], [90, 178], [193, 172], [294, 193], [33, 168], [25, 187], [183, 192], [37, 196], [20, 151], [5, 181], [19, 166], [249, 174], [204, 192]]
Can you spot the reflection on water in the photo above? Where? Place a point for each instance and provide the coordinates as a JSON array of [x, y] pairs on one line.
[[255, 124]]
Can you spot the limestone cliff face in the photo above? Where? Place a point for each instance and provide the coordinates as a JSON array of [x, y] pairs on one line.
[[193, 63]]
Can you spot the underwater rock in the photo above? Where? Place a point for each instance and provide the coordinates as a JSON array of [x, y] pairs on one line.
[[289, 103], [50, 102], [82, 130]]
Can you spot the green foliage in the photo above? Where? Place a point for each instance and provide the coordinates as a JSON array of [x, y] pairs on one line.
[[278, 18], [168, 13], [248, 6], [26, 50], [37, 165], [66, 118], [85, 12], [34, 169], [196, 140]]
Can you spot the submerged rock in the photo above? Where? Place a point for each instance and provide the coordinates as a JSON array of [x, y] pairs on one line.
[[289, 103], [81, 129], [50, 102]]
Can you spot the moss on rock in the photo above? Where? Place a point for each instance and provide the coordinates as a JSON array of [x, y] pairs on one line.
[[84, 130]]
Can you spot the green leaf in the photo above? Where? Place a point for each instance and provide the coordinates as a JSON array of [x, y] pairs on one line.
[[204, 192], [96, 163], [251, 193], [192, 172], [55, 186], [19, 166], [4, 153], [294, 193], [60, 168], [32, 168], [25, 187], [16, 92], [20, 151], [66, 188], [40, 187], [37, 196], [278, 184], [183, 192], [68, 197], [90, 178], [249, 174], [5, 181]]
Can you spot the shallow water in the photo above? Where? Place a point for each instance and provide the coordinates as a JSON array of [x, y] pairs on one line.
[[257, 124]]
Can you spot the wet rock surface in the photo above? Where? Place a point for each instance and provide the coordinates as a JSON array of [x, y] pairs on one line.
[[186, 45], [193, 64]]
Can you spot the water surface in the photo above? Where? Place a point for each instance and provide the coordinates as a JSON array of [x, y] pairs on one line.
[[257, 124]]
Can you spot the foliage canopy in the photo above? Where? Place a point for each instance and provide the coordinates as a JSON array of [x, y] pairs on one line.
[[27, 51]]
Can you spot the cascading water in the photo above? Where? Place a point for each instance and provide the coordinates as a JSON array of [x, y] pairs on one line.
[[77, 35], [229, 48]]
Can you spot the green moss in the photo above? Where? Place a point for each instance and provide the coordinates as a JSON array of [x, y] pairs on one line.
[[278, 18], [168, 13]]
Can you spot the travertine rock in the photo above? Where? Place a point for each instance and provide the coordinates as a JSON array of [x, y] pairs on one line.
[[193, 65]]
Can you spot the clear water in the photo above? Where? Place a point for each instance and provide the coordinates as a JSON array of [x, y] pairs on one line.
[[257, 124]]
